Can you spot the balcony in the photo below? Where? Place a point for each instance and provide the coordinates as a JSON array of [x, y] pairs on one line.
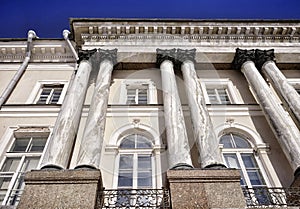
[[136, 198], [261, 197]]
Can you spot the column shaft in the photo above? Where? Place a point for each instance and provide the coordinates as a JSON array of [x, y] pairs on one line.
[[92, 140], [282, 124], [282, 86], [178, 145], [59, 149], [208, 143]]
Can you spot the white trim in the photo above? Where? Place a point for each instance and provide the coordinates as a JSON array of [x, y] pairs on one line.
[[259, 148], [136, 83], [34, 96], [233, 93]]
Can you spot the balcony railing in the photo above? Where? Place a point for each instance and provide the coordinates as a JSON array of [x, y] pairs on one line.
[[136, 198], [264, 196]]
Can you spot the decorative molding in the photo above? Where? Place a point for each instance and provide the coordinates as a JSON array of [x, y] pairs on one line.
[[241, 56], [262, 56], [191, 31]]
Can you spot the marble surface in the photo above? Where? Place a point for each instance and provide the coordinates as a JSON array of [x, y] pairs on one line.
[[208, 143], [178, 145], [92, 140], [61, 142], [281, 84], [282, 124]]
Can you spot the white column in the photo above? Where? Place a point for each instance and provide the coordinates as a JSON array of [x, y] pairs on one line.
[[282, 124], [93, 136], [208, 143], [280, 83], [178, 146], [60, 146]]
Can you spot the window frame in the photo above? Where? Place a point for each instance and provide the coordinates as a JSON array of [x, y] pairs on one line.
[[138, 84], [136, 152], [224, 83], [239, 152], [38, 88], [12, 134]]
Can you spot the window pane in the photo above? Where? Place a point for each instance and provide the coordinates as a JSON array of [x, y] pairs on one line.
[[255, 178], [10, 164], [143, 142], [240, 142], [44, 96], [4, 182], [131, 94], [30, 163], [125, 179], [249, 160], [231, 160], [55, 95], [144, 162], [38, 145], [128, 142], [126, 162], [142, 99], [145, 179], [226, 141], [20, 145]]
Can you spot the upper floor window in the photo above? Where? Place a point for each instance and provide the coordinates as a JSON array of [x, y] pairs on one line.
[[220, 91], [135, 162], [137, 94], [48, 92], [218, 95], [138, 91], [23, 155]]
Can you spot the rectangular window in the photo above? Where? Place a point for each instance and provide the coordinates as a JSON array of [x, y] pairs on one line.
[[23, 155], [50, 93], [218, 95], [220, 91], [137, 94]]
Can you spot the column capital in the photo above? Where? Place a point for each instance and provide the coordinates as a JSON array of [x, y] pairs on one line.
[[108, 54], [85, 54], [165, 54], [262, 56], [241, 56], [184, 55]]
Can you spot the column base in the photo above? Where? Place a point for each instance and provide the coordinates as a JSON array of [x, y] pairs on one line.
[[61, 189], [206, 188], [296, 182]]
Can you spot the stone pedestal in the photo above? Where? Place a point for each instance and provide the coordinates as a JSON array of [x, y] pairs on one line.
[[205, 188], [67, 189]]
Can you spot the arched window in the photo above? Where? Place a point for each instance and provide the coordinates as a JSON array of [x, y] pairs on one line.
[[238, 153], [135, 162]]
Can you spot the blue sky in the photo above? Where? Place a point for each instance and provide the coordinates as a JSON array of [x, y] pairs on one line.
[[49, 18]]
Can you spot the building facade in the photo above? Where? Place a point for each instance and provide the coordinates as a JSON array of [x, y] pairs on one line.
[[152, 114]]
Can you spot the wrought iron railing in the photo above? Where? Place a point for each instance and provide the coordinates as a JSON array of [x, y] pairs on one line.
[[264, 196], [136, 198]]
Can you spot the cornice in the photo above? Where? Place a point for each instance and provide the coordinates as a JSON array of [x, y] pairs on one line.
[[42, 51], [201, 31]]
